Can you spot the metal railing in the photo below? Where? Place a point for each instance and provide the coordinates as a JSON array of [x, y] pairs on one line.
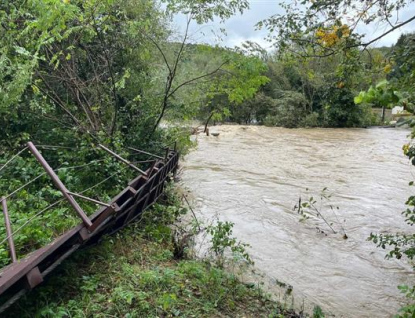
[[127, 206]]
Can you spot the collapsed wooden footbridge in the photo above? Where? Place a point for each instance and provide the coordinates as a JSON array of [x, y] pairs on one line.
[[139, 194]]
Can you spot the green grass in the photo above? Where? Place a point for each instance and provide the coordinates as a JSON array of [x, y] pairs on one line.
[[135, 274], [132, 276]]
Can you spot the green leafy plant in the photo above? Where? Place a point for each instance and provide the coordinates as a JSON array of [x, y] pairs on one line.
[[222, 240], [383, 95], [313, 207]]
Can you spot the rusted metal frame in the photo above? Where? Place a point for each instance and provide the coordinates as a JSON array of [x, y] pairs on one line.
[[142, 187], [146, 153], [18, 270], [133, 183], [150, 191], [9, 231], [12, 300], [139, 197], [136, 197], [13, 273], [59, 184], [165, 172], [88, 199], [131, 209], [101, 218], [122, 159], [34, 277], [153, 168], [144, 208], [126, 203], [160, 177], [116, 207], [152, 179], [143, 202], [60, 260], [160, 186]]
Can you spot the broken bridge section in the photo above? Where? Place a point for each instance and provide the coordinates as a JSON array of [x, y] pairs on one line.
[[25, 274]]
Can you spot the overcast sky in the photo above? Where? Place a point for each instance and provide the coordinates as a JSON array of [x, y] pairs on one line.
[[241, 28]]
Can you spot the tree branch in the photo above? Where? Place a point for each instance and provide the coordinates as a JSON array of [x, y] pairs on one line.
[[161, 52], [197, 78], [389, 31]]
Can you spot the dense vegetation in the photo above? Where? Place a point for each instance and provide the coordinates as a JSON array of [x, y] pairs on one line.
[[77, 73]]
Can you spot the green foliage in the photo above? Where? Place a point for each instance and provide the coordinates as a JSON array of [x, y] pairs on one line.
[[287, 111], [403, 66], [318, 312], [318, 28], [36, 222], [239, 80], [204, 12], [341, 111], [408, 310], [135, 275], [222, 239], [75, 65], [381, 95], [399, 245]]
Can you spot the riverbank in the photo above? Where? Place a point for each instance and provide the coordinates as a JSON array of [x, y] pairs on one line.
[[137, 273]]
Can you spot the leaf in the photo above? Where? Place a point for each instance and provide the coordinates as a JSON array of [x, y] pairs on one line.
[[22, 51]]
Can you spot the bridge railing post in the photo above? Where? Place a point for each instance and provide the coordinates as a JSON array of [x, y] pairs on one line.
[[59, 184], [9, 232]]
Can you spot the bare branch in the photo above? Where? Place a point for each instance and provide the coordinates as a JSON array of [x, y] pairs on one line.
[[161, 52], [176, 63], [389, 31]]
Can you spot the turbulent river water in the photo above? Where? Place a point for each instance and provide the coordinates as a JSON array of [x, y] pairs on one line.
[[254, 176]]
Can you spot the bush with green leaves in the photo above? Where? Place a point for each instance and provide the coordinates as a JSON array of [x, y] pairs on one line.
[[287, 110], [340, 110], [382, 95], [222, 240]]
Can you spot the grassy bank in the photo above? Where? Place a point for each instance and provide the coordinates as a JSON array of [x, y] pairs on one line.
[[137, 273]]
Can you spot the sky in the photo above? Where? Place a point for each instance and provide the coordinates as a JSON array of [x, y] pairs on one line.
[[241, 28]]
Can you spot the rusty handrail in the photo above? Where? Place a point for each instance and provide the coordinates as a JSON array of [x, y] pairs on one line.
[[8, 230], [122, 159], [127, 206], [59, 184]]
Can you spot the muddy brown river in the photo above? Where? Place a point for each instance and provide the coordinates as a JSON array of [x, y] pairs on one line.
[[253, 176]]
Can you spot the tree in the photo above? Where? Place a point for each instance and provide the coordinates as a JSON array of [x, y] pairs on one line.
[[317, 26], [200, 12], [382, 95], [239, 80], [73, 62]]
